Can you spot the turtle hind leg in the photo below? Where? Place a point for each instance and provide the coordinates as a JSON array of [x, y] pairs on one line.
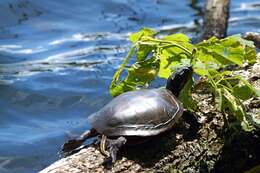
[[103, 145], [114, 146], [77, 142]]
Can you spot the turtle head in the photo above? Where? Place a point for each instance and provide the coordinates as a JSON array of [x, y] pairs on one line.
[[177, 80]]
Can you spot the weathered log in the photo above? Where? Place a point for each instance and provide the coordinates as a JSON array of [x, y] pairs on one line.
[[186, 148], [215, 21]]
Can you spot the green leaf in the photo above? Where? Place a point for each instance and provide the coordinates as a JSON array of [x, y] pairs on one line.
[[243, 90], [250, 55], [177, 38], [186, 98], [143, 51], [143, 32], [167, 61], [220, 100], [233, 105], [246, 126], [171, 57], [208, 42], [214, 73], [117, 87], [230, 50], [180, 39], [138, 75], [235, 55], [243, 42], [226, 101], [203, 69], [207, 58], [141, 73], [220, 54], [247, 46], [237, 109]]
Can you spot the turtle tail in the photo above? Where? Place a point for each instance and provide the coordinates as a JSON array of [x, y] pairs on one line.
[[73, 144]]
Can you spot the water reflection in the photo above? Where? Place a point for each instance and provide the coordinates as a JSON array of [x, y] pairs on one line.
[[250, 6], [16, 12]]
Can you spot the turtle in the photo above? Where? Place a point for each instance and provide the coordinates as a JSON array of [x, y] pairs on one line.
[[135, 114]]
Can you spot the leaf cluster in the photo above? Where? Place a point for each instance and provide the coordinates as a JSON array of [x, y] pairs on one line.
[[160, 57]]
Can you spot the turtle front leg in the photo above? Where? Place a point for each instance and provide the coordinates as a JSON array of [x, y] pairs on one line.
[[113, 144]]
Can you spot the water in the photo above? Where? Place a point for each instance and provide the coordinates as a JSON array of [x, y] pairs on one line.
[[57, 59]]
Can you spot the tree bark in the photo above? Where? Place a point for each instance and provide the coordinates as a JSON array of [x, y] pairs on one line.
[[216, 19]]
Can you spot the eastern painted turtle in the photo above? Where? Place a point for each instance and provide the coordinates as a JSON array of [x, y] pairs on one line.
[[140, 113]]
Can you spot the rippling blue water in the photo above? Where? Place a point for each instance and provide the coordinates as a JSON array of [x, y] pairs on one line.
[[57, 59]]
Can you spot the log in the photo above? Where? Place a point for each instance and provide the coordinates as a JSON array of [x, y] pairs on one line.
[[186, 148], [215, 21]]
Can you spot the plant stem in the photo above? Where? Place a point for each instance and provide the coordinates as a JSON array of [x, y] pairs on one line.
[[118, 72], [223, 86], [171, 43]]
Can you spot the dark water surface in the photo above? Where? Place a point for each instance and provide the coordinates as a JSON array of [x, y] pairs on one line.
[[57, 59]]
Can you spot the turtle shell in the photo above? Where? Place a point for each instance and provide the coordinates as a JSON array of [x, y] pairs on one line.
[[138, 113]]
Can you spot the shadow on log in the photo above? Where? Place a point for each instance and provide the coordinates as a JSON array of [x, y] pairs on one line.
[[240, 150]]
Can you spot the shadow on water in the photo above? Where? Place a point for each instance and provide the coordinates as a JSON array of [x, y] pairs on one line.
[[57, 60]]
